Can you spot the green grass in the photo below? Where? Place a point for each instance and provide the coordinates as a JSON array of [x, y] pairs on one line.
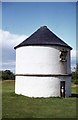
[[18, 106]]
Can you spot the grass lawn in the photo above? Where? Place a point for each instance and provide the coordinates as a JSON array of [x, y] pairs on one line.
[[18, 106]]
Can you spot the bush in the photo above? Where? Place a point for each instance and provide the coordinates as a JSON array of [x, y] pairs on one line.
[[7, 75]]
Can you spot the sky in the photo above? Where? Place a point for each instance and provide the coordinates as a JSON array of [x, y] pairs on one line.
[[21, 19], [39, 0]]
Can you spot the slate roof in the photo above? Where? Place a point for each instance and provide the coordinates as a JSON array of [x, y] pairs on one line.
[[43, 36]]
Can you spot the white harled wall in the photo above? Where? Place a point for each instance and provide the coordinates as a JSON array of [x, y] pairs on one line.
[[41, 86], [41, 60]]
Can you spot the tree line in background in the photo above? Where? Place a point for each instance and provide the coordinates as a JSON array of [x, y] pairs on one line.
[[75, 75], [8, 75]]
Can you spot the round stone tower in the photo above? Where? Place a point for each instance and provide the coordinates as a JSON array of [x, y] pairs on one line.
[[43, 65]]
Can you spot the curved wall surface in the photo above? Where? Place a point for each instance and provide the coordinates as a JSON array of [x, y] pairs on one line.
[[41, 86], [41, 60], [33, 63]]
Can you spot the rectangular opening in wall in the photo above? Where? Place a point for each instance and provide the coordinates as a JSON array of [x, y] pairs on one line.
[[63, 55], [62, 88]]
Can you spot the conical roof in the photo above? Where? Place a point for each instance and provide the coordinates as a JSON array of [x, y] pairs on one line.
[[43, 36]]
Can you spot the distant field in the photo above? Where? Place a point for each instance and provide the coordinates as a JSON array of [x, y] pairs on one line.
[[18, 106]]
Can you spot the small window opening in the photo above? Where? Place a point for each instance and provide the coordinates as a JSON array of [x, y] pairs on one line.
[[63, 55]]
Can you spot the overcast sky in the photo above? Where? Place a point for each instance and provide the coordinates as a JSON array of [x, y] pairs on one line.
[[20, 20]]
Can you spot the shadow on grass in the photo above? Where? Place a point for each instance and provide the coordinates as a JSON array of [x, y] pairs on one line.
[[74, 95], [16, 95]]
